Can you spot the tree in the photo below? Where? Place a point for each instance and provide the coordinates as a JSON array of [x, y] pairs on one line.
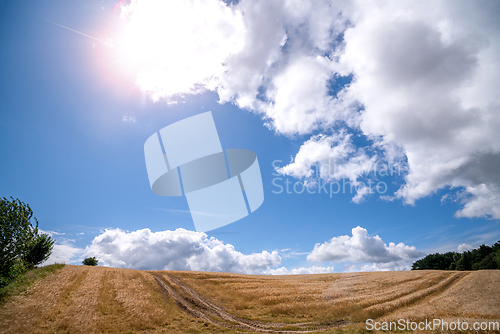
[[465, 263], [456, 257], [90, 261], [40, 250], [21, 247], [434, 261]]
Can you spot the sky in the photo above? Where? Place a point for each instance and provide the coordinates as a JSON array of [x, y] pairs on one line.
[[375, 126]]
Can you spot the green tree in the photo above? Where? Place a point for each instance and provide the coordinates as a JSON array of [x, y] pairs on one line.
[[434, 261], [465, 263], [483, 257], [21, 247], [39, 251], [456, 257], [90, 261]]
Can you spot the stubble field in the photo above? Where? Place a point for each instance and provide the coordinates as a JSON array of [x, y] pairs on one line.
[[80, 299]]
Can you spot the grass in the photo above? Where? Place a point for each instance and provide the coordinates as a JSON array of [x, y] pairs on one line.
[[21, 283]]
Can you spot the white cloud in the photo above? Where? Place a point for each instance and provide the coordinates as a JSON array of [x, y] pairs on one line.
[[414, 70], [362, 248], [129, 119], [481, 200], [175, 250], [64, 250], [334, 157], [464, 247], [390, 266], [300, 271], [64, 253], [300, 95], [50, 233], [423, 90], [189, 250]]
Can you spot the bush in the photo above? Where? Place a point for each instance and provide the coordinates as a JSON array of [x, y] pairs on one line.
[[90, 261], [21, 247]]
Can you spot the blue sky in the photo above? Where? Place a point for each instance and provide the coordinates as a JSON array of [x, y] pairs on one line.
[[74, 125]]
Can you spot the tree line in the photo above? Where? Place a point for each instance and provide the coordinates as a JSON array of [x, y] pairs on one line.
[[483, 257]]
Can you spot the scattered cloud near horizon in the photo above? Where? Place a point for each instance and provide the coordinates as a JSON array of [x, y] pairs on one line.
[[300, 271], [175, 250], [65, 252], [362, 248], [188, 250], [464, 247], [416, 79]]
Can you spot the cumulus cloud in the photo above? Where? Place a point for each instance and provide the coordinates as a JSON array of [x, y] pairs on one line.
[[175, 250], [362, 248], [416, 79], [335, 155], [464, 247], [188, 250], [415, 74], [64, 252], [300, 271]]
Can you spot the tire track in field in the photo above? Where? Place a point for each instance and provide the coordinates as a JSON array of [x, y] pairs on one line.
[[416, 296], [196, 305]]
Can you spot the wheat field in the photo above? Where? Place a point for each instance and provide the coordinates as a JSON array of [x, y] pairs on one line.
[[81, 299]]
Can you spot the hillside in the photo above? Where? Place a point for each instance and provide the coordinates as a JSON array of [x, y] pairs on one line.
[[81, 299]]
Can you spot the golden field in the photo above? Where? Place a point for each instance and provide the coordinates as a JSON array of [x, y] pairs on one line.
[[81, 299]]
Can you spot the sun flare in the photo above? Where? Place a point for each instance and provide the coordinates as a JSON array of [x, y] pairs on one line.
[[177, 47]]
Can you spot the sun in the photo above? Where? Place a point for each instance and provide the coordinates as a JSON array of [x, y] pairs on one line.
[[176, 47]]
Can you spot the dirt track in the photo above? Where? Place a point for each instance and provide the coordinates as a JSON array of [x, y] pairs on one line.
[[199, 307]]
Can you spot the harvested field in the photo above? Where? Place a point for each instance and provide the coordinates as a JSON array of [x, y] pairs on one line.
[[80, 299]]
